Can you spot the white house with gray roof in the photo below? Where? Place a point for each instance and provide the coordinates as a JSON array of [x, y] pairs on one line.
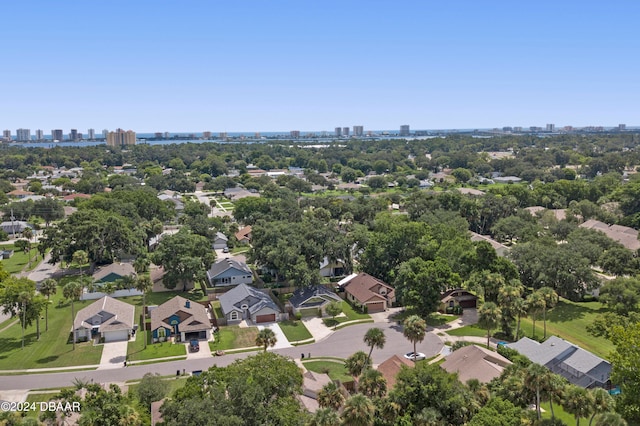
[[229, 272], [244, 302], [107, 318], [578, 366]]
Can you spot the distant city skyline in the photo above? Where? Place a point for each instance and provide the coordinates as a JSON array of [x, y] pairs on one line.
[[287, 65]]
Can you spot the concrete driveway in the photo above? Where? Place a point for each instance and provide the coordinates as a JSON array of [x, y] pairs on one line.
[[204, 352], [282, 341], [113, 355]]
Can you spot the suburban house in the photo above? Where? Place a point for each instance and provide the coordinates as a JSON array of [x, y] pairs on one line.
[[475, 362], [177, 204], [624, 235], [107, 318], [14, 227], [578, 366], [220, 241], [391, 367], [501, 249], [244, 235], [457, 297], [308, 300], [227, 272], [113, 272], [333, 268], [244, 302], [180, 318], [364, 290]]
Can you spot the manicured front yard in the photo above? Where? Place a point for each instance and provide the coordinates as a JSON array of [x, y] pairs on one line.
[[335, 370], [350, 314], [233, 337], [295, 330], [468, 330], [54, 349], [137, 352]]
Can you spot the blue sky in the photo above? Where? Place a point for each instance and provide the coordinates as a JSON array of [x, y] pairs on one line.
[[310, 65]]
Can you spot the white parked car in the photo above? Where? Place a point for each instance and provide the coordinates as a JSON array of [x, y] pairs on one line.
[[418, 356]]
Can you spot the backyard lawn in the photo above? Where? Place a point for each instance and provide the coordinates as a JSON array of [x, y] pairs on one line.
[[20, 259], [295, 330], [234, 337], [335, 369], [54, 349]]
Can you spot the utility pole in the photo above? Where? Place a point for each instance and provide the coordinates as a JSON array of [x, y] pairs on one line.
[[13, 227]]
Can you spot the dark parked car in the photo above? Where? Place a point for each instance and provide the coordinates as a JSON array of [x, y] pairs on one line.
[[194, 345]]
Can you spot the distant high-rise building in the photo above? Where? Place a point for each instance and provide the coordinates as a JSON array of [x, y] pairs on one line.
[[358, 130], [157, 135], [206, 135], [23, 135], [551, 127], [57, 135], [91, 134], [121, 138], [166, 135], [257, 135], [295, 134], [338, 131], [622, 127], [404, 130], [345, 132], [73, 135], [517, 129], [507, 129], [39, 135], [223, 135], [6, 135], [105, 132]]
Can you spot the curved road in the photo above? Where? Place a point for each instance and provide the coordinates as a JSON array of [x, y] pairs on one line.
[[342, 343]]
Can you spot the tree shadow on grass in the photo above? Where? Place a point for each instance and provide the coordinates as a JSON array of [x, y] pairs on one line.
[[565, 312], [47, 359]]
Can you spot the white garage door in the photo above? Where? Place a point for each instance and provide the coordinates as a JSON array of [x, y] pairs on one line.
[[116, 336]]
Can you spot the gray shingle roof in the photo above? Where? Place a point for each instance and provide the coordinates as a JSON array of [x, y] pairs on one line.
[[223, 264], [121, 269], [305, 293], [111, 314], [243, 294]]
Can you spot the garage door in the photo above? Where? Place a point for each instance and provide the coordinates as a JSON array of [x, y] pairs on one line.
[[266, 318], [116, 336], [375, 307]]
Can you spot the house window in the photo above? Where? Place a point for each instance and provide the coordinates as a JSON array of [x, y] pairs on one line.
[[451, 303], [162, 333], [233, 316], [383, 291]]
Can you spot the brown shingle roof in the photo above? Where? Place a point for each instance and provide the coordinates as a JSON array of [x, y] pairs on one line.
[[626, 236], [361, 287], [391, 367], [243, 233], [116, 315], [192, 318], [474, 362]]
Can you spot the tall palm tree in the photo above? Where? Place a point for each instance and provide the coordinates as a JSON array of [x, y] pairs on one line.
[[489, 317], [578, 402], [535, 304], [330, 396], [536, 379], [141, 264], [372, 384], [72, 291], [356, 364], [28, 235], [48, 288], [358, 411], [550, 299], [143, 284], [508, 296], [610, 419], [556, 388], [24, 298], [603, 402], [414, 329], [374, 338], [325, 417], [519, 310], [266, 338], [80, 258]]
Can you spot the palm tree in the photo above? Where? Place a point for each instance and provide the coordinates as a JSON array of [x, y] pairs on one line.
[[603, 402], [414, 329], [489, 318], [578, 402], [28, 234], [80, 258], [325, 417], [519, 309], [508, 297], [356, 364], [535, 304], [358, 411], [72, 291], [374, 337], [535, 379], [266, 338], [550, 299], [372, 383], [24, 298], [141, 264], [144, 284], [428, 416], [610, 419], [48, 288], [480, 391], [556, 387], [330, 396]]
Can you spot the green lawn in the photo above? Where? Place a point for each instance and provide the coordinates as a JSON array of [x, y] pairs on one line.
[[335, 370], [136, 350], [38, 398], [559, 412], [437, 319], [569, 320], [468, 330], [19, 261], [233, 336], [350, 314], [54, 349], [295, 330]]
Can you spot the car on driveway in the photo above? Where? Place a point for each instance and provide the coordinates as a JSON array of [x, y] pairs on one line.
[[194, 346], [418, 356]]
